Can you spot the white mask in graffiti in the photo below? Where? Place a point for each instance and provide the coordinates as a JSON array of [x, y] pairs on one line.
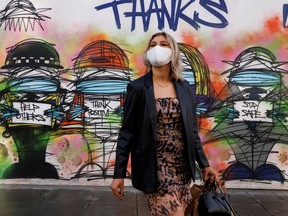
[[159, 56]]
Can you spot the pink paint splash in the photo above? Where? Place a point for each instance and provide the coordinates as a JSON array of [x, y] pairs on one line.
[[271, 36], [218, 156]]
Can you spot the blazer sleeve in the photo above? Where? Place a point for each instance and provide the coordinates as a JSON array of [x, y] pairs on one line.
[[126, 133], [199, 152]]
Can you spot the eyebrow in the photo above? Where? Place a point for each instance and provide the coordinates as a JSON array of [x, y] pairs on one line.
[[163, 41]]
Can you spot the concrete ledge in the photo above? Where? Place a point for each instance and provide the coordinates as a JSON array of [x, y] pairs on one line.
[[237, 184], [250, 184]]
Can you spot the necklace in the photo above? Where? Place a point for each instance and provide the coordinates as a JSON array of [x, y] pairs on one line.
[[163, 86]]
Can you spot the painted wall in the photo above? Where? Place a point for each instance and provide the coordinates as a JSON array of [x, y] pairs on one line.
[[65, 66]]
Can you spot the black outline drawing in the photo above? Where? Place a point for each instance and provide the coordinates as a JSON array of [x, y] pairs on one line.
[[19, 14], [255, 82], [33, 70], [102, 74]]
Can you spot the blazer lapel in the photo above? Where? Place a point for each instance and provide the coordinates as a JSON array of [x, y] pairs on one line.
[[150, 100], [180, 91]]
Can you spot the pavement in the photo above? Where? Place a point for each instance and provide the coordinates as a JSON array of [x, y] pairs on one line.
[[52, 200]]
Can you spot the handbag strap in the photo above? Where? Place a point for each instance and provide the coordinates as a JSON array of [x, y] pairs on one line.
[[224, 199]]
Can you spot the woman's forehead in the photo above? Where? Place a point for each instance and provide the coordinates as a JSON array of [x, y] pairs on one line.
[[159, 38]]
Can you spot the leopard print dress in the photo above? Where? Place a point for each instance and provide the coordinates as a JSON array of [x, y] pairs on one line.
[[174, 177]]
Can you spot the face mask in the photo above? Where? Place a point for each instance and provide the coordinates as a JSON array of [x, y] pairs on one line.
[[159, 56]]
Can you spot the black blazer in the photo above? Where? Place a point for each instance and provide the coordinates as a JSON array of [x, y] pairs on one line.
[[138, 133]]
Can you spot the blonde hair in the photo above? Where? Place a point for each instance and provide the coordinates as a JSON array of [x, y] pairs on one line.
[[176, 61]]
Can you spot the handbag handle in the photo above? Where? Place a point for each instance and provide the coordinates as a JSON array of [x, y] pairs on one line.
[[211, 185]]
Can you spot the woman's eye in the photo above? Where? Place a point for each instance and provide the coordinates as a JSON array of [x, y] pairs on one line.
[[164, 45]]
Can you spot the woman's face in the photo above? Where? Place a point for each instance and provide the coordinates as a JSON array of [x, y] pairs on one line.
[[159, 40]]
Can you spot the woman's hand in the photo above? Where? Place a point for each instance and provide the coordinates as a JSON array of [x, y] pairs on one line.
[[208, 172], [117, 186]]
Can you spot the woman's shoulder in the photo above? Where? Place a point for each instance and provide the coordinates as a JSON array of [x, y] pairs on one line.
[[184, 82], [139, 82]]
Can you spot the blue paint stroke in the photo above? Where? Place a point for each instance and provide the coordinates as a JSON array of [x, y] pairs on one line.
[[256, 78], [178, 11], [102, 86], [285, 15], [33, 84]]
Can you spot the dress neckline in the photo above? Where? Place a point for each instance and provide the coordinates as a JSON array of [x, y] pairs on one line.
[[165, 98]]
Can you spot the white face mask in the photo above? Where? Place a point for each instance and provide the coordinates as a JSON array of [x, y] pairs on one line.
[[159, 56]]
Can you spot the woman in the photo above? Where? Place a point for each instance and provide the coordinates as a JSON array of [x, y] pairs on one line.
[[160, 130]]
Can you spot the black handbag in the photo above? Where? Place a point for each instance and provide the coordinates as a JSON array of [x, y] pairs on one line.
[[214, 201]]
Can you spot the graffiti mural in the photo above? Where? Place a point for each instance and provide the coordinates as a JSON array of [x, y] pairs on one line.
[[63, 82], [102, 74], [252, 117], [31, 98]]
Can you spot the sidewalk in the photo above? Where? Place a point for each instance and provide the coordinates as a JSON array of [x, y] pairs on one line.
[[41, 200]]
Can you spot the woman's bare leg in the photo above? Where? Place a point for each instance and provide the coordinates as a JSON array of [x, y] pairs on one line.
[[178, 212]]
